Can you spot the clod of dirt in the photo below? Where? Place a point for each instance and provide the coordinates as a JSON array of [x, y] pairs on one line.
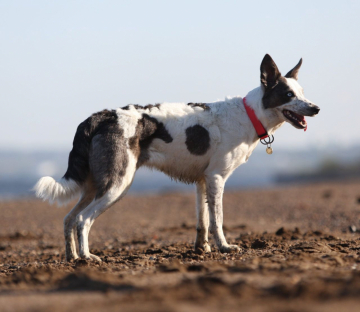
[[245, 244], [281, 231], [258, 244], [317, 233], [284, 232]]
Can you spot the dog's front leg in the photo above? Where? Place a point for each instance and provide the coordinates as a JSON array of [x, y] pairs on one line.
[[202, 212], [214, 190]]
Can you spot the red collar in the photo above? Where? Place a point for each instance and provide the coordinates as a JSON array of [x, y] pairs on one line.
[[259, 128]]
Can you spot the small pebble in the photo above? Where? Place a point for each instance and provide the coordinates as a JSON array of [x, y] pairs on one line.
[[352, 228]]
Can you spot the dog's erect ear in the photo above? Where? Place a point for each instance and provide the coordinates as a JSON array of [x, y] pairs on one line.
[[294, 72], [269, 73]]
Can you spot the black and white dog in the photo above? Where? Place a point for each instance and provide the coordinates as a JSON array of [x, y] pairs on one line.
[[194, 143]]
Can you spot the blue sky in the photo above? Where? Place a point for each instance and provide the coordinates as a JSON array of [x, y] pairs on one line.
[[60, 61]]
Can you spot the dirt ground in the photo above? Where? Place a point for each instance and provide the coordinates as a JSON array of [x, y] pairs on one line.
[[300, 252]]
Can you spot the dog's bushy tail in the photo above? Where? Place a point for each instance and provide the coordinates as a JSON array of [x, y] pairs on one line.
[[68, 186], [78, 169], [61, 191]]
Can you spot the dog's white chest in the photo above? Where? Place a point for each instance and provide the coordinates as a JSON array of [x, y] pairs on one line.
[[242, 154]]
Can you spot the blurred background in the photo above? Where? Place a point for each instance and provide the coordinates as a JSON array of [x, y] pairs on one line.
[[62, 61]]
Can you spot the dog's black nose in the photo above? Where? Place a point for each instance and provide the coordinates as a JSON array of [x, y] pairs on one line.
[[315, 109]]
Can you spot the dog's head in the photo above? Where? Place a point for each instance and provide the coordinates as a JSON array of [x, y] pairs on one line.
[[284, 94]]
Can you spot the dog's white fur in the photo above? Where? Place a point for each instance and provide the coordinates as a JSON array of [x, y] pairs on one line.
[[233, 139]]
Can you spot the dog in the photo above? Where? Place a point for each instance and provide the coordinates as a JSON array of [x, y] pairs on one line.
[[201, 143]]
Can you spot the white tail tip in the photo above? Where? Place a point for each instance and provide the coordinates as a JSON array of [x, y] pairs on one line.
[[61, 191]]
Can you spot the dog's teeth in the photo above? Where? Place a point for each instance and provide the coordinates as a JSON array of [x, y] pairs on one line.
[[290, 115]]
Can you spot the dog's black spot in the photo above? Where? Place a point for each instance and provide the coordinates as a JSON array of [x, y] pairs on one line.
[[202, 105], [197, 140], [136, 106], [150, 106], [147, 129], [277, 95], [139, 107]]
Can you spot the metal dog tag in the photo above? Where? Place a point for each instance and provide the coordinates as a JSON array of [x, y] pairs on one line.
[[267, 141]]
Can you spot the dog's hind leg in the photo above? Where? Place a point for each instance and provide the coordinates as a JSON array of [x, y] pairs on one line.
[[70, 222], [69, 229], [86, 218], [214, 191], [202, 212]]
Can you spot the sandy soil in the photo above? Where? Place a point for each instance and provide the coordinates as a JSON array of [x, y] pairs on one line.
[[300, 252]]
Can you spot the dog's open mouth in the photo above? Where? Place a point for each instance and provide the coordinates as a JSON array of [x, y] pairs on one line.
[[297, 120]]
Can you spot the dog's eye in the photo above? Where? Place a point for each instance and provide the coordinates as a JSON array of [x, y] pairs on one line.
[[290, 94]]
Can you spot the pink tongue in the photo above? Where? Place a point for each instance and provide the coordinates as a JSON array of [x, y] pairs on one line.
[[306, 124]]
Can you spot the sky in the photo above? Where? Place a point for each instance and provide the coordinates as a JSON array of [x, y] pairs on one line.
[[61, 61]]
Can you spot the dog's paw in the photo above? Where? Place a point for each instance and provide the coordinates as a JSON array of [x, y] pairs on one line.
[[90, 258], [229, 249], [71, 257], [204, 248], [95, 258]]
